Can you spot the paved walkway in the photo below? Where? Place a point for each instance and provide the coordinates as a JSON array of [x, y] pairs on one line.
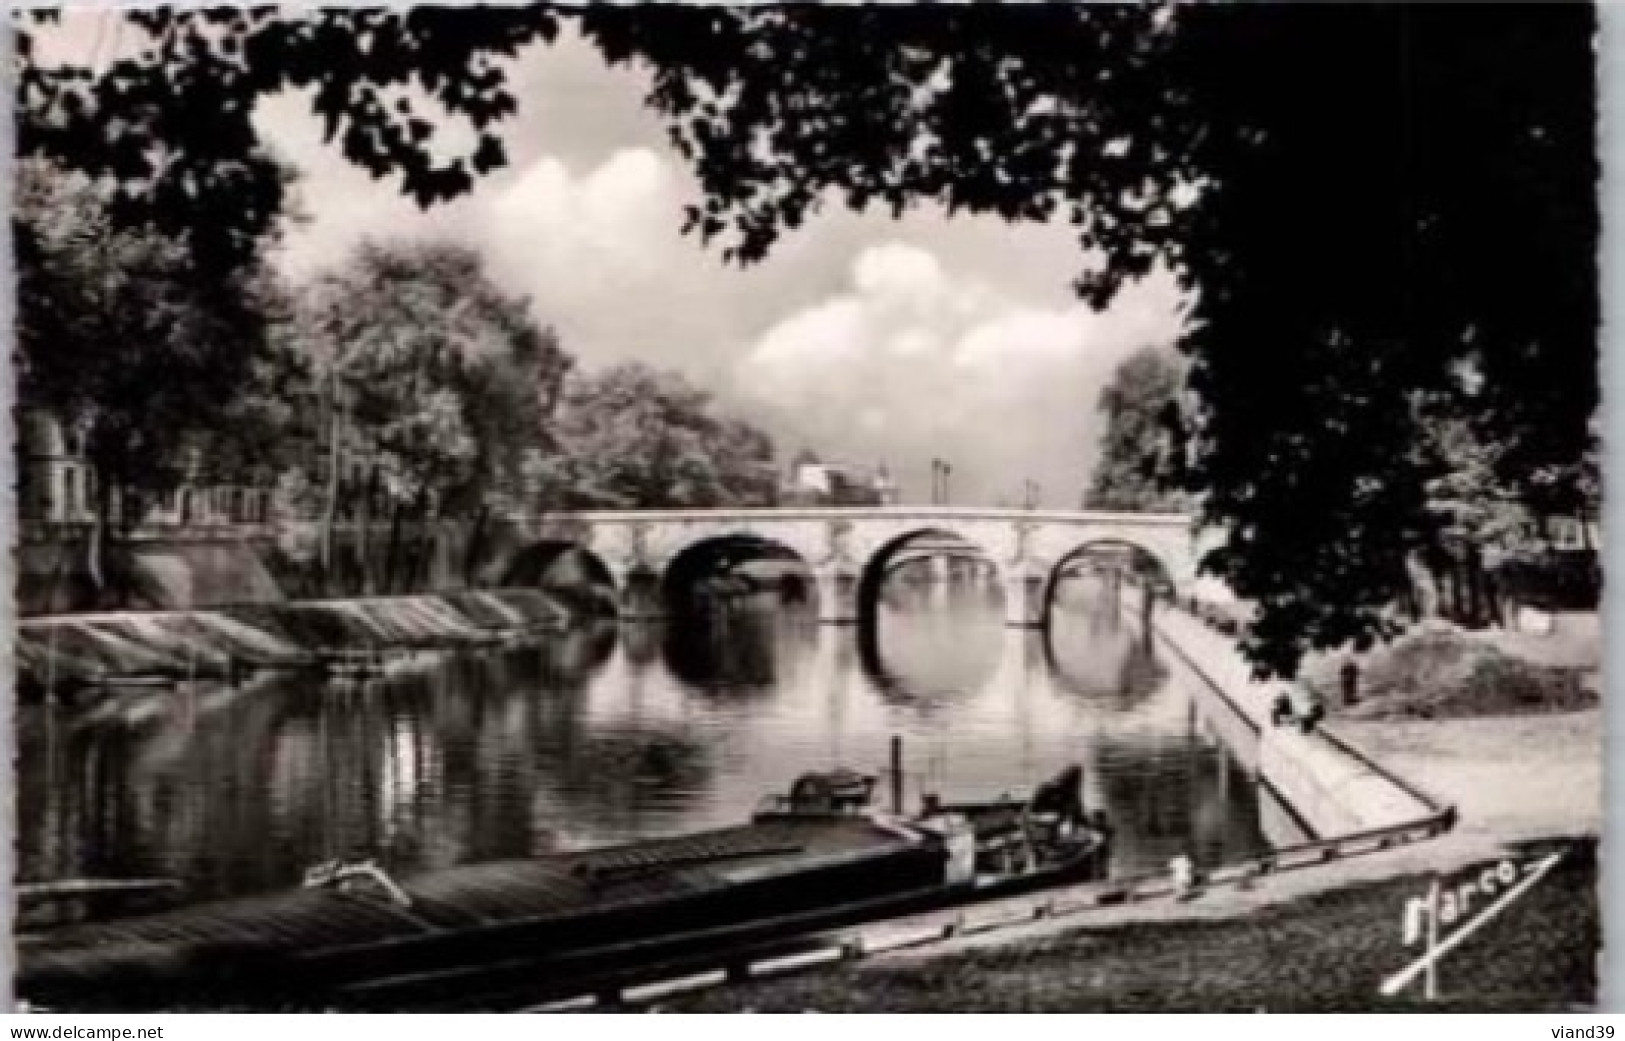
[[1510, 778]]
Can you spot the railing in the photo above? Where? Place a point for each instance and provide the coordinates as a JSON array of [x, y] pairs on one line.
[[148, 531], [790, 513]]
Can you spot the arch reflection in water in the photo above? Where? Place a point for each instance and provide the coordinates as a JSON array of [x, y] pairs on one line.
[[1094, 652], [733, 607], [739, 650], [591, 738], [930, 659], [930, 620]]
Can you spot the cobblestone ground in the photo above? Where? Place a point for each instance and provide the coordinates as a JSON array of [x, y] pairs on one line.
[[1327, 952]]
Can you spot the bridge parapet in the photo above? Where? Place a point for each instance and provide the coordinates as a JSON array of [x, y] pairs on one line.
[[842, 544]]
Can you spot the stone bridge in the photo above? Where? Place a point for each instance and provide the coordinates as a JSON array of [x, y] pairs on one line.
[[850, 549]]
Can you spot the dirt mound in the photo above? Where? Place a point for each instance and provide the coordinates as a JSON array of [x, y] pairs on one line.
[[1449, 674]]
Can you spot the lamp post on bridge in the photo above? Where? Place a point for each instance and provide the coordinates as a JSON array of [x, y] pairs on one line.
[[939, 481]]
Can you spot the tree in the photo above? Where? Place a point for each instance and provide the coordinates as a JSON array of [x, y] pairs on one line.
[[1138, 467], [632, 436], [1374, 194], [745, 464], [1486, 524], [165, 112], [436, 386], [165, 367]]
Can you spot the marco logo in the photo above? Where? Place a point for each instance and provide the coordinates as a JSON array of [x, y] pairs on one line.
[[1465, 904]]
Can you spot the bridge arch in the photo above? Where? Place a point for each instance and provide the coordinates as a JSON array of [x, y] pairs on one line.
[[1139, 558], [1157, 575], [880, 563], [842, 545], [712, 554], [907, 556], [567, 569]]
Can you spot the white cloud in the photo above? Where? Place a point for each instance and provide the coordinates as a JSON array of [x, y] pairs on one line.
[[897, 275], [912, 361], [564, 237], [1025, 336], [831, 333], [861, 335]]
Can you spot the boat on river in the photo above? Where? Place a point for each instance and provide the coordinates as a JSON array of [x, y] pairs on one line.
[[484, 935]]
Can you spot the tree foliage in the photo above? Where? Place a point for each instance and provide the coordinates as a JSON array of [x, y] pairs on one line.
[[632, 436], [164, 109], [1139, 464], [436, 384], [120, 333], [1360, 196]]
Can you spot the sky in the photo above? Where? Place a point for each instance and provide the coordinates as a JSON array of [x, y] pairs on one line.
[[864, 338]]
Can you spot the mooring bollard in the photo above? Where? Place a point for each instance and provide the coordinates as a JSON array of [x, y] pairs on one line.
[[1183, 872]]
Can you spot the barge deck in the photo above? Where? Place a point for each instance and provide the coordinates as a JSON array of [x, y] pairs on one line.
[[355, 938]]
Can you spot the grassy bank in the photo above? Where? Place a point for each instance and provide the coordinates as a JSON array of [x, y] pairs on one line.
[[1327, 952]]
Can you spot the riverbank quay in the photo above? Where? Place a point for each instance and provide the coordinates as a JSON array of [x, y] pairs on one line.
[[1329, 787], [66, 654], [1466, 763]]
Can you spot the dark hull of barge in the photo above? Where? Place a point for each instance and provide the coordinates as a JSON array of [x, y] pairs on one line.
[[482, 934]]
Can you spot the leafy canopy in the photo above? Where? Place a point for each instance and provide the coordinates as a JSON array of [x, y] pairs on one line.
[[1360, 196], [634, 436], [165, 110], [441, 382], [1139, 462], [120, 334]]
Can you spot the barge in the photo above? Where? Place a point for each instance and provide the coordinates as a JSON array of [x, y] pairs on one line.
[[488, 934]]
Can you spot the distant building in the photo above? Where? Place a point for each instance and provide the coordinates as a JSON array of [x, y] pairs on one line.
[[1574, 534], [839, 484], [57, 484], [54, 481]]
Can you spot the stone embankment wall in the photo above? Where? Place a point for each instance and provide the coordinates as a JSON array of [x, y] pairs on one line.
[[67, 653], [1331, 788], [58, 572]]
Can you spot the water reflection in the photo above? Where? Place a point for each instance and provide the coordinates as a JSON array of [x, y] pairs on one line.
[[609, 734], [929, 659], [737, 652]]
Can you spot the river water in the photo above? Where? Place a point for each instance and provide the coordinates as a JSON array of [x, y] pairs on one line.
[[617, 733]]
